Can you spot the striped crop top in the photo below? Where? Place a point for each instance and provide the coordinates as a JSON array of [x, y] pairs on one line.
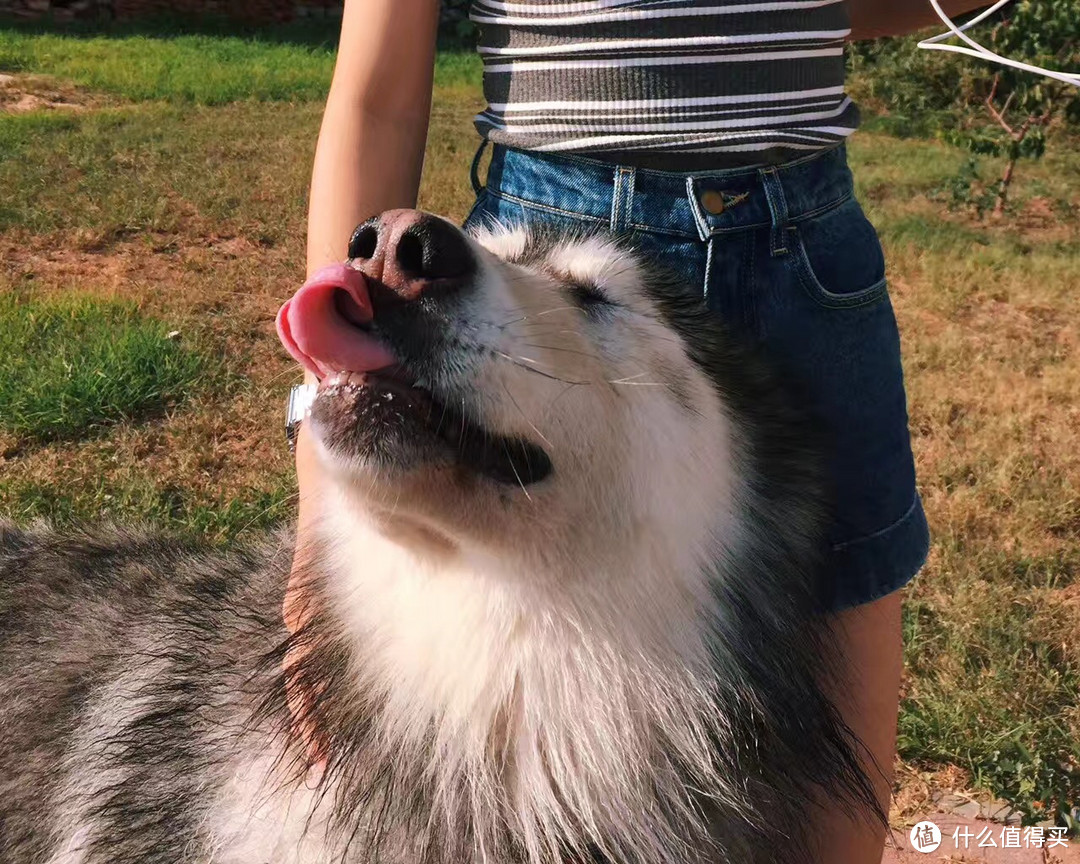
[[735, 80]]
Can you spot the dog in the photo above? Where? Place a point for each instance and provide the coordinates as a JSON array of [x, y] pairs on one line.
[[560, 605]]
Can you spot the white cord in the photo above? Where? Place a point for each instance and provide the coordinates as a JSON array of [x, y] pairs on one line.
[[934, 43]]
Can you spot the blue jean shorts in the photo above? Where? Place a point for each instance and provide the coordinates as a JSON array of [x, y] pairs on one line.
[[786, 258]]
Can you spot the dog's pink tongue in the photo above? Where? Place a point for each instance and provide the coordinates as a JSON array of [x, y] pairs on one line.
[[320, 327]]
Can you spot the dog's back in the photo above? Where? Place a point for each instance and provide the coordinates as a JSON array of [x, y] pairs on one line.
[[130, 665]]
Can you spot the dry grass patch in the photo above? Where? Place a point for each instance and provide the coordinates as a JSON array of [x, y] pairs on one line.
[[918, 791], [209, 469], [22, 93]]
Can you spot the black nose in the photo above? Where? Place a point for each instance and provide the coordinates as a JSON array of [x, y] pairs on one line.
[[412, 252]]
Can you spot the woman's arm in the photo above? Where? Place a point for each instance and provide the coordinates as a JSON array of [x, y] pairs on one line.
[[371, 145], [873, 18], [368, 159]]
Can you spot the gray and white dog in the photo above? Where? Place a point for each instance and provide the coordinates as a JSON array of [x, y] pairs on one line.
[[561, 599]]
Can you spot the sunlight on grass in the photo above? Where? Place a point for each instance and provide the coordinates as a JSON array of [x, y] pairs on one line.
[[156, 167], [142, 499], [992, 688], [149, 167], [67, 367], [204, 69]]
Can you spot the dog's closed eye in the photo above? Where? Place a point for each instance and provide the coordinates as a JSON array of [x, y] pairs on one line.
[[588, 297]]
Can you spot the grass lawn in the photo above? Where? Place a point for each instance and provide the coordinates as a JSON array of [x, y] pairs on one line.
[[73, 363], [160, 181]]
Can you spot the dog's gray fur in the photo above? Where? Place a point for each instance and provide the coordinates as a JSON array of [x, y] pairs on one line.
[[144, 703]]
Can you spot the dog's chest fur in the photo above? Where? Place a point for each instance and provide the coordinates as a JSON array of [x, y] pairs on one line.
[[149, 724]]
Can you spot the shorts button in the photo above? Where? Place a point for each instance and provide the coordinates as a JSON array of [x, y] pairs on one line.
[[712, 201]]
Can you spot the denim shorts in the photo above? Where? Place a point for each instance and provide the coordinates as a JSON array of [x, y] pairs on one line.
[[786, 258]]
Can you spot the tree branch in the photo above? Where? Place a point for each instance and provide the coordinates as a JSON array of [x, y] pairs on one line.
[[997, 115]]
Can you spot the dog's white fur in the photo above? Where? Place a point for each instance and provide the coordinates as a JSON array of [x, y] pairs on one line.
[[568, 621]]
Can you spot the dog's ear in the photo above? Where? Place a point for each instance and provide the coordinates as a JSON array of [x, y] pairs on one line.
[[506, 242]]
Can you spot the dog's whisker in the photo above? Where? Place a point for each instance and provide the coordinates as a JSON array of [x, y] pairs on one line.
[[526, 315], [622, 382], [520, 357], [284, 373], [538, 327], [461, 435], [549, 374], [563, 350], [511, 322], [518, 361], [570, 386], [523, 417], [288, 499], [442, 419], [513, 467], [554, 310]]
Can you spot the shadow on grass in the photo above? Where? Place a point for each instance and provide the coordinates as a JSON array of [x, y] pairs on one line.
[[309, 32]]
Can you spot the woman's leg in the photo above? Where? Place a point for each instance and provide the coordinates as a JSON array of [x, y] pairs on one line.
[[869, 643]]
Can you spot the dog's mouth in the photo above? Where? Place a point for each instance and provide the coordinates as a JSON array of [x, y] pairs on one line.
[[378, 411], [384, 415]]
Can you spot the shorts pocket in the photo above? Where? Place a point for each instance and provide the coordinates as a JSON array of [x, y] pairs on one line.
[[837, 258]]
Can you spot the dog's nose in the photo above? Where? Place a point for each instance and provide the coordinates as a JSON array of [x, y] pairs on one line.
[[395, 259], [412, 254]]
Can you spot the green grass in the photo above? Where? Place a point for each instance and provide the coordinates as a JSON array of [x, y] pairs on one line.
[[152, 167], [69, 366], [148, 168], [192, 68], [168, 507], [993, 690]]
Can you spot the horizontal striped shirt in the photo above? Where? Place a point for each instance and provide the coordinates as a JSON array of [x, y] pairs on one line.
[[749, 82]]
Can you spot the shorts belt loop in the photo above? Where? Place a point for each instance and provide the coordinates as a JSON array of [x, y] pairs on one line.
[[622, 197], [474, 172], [774, 195], [708, 267]]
